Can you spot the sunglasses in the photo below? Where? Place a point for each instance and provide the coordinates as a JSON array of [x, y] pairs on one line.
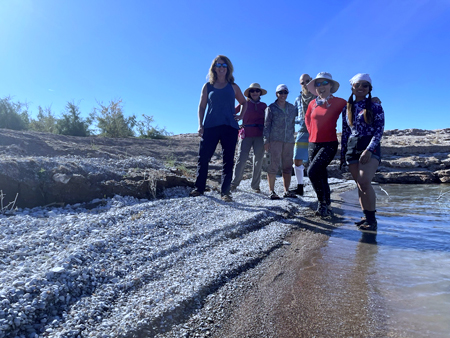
[[323, 83], [283, 92], [255, 91], [364, 85], [304, 83], [224, 65]]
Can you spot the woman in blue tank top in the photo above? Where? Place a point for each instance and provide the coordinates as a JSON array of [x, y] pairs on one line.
[[219, 125]]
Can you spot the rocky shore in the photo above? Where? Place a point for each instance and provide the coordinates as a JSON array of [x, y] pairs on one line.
[[415, 156], [121, 250], [43, 169], [127, 267]]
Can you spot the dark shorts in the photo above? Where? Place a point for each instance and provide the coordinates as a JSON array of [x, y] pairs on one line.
[[356, 146]]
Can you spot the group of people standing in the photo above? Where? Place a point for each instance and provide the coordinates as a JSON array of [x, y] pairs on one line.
[[271, 129]]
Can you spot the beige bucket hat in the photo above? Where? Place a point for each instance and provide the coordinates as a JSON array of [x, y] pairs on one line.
[[255, 86]]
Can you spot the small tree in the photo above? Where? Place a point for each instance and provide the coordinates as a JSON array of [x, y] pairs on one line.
[[111, 121], [13, 115], [46, 121], [146, 130], [71, 123]]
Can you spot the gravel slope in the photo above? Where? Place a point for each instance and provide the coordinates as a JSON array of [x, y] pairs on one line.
[[131, 267]]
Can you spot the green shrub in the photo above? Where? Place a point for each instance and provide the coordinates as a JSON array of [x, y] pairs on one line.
[[146, 130], [71, 123], [46, 121], [13, 115], [111, 121]]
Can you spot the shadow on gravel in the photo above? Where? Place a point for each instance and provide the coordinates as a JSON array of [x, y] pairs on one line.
[[188, 307]]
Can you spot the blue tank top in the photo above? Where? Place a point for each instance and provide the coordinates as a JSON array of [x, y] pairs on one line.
[[220, 107]]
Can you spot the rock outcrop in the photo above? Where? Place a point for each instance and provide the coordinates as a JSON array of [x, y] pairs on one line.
[[42, 169], [39, 181], [415, 156]]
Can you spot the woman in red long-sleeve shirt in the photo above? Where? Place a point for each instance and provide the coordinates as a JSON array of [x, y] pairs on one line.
[[321, 121]]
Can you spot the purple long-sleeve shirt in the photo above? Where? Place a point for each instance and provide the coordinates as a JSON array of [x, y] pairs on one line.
[[360, 127]]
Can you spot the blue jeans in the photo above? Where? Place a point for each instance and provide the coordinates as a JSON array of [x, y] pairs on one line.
[[227, 136]]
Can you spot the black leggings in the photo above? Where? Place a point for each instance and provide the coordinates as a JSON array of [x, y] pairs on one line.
[[320, 155]]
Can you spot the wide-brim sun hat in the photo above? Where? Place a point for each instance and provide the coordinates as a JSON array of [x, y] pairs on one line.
[[254, 86], [323, 76]]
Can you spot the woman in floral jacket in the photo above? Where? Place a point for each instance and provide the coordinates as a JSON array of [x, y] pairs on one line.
[[362, 129]]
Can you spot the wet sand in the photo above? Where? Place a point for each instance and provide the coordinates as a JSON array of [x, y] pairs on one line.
[[310, 288]]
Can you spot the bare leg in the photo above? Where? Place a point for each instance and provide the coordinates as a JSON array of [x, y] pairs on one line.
[[286, 181], [363, 174], [271, 179], [354, 170]]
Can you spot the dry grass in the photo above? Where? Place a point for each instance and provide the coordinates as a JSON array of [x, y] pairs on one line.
[[8, 209]]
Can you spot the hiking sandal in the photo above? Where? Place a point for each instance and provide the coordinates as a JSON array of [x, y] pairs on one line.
[[274, 196], [289, 194]]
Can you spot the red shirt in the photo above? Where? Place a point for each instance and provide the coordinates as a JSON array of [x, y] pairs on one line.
[[321, 121], [253, 116]]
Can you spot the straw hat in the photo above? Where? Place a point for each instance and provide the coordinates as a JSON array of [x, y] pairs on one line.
[[255, 86], [323, 76]]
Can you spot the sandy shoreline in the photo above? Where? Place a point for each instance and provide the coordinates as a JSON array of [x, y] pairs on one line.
[[299, 290]]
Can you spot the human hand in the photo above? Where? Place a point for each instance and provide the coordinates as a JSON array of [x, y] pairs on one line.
[[267, 147], [376, 100], [200, 131], [237, 117], [365, 157]]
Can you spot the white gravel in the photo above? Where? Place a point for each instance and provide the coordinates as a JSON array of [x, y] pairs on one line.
[[128, 266]]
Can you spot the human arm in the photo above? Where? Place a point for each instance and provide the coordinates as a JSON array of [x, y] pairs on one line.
[[376, 100], [202, 108], [237, 109], [297, 104], [267, 128], [375, 130], [377, 126], [308, 117], [242, 101], [346, 131]]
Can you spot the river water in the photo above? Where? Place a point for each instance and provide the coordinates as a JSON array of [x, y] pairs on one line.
[[406, 264]]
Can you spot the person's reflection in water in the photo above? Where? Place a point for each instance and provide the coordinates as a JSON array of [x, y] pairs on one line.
[[365, 286], [369, 238]]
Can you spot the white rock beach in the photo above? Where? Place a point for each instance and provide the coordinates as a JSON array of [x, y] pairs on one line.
[[128, 267]]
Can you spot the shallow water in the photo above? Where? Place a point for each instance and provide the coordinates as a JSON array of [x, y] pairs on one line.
[[406, 264]]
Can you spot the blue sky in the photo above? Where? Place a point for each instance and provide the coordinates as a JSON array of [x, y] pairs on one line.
[[155, 55]]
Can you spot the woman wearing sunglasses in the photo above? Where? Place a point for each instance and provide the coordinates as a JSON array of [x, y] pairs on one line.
[[251, 136], [219, 124], [362, 129], [321, 121], [279, 128]]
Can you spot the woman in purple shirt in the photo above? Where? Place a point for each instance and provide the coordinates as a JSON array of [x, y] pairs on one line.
[[251, 136], [362, 129]]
